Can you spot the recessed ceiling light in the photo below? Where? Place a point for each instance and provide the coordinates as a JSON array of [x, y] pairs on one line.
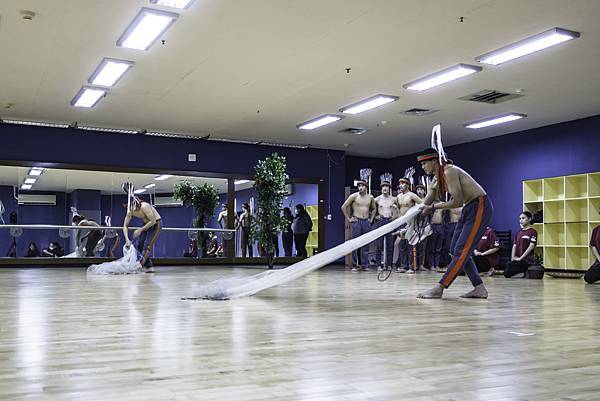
[[139, 191], [173, 3], [35, 123], [368, 104], [88, 96], [149, 186], [110, 71], [528, 45], [146, 28], [30, 180], [35, 171], [26, 186], [319, 121], [162, 177], [495, 120], [442, 77]]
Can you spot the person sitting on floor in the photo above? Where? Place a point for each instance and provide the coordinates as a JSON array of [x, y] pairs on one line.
[[192, 251], [486, 256], [593, 274], [32, 251], [522, 251], [213, 246], [54, 250]]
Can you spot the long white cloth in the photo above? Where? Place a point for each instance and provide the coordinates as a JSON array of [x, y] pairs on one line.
[[229, 288], [128, 264]]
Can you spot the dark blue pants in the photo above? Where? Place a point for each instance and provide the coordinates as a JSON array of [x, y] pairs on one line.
[[360, 227], [145, 243], [436, 241], [475, 217]]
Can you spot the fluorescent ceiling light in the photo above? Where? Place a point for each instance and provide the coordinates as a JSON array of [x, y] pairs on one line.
[[139, 191], [146, 28], [30, 180], [35, 171], [319, 121], [162, 177], [35, 123], [238, 182], [368, 104], [529, 45], [88, 96], [173, 3], [149, 186], [495, 120], [115, 130], [442, 77], [26, 186], [109, 71]]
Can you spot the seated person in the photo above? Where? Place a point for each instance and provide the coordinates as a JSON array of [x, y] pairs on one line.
[[54, 250], [593, 274], [192, 251], [91, 236], [32, 251], [522, 251], [213, 246], [486, 256]]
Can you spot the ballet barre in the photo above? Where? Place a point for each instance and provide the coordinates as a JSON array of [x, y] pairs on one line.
[[58, 227]]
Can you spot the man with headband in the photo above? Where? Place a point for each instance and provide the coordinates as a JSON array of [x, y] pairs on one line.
[[146, 235], [362, 214], [402, 250], [475, 217], [386, 208]]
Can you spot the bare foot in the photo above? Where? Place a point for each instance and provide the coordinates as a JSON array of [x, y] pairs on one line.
[[477, 292], [150, 270], [435, 292]]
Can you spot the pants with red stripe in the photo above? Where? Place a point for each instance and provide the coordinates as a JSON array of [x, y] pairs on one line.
[[145, 243], [476, 216]]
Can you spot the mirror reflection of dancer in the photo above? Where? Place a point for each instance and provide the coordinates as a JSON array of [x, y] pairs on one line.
[[475, 217], [362, 205], [245, 222], [386, 210], [91, 236], [145, 236]]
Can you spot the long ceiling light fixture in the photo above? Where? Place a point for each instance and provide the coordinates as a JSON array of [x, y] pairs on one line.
[[504, 118], [145, 29], [110, 71], [528, 45], [319, 122], [442, 77], [368, 104], [88, 96], [181, 4], [34, 123]]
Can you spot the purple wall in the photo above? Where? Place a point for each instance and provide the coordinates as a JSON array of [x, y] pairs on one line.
[[55, 146], [500, 164]]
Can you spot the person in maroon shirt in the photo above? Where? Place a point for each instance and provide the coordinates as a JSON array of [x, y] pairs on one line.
[[486, 256], [593, 274], [522, 250]]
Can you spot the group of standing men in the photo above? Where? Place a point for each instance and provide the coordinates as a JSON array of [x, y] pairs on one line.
[[365, 212]]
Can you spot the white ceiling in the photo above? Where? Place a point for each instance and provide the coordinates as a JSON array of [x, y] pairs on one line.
[[107, 182], [254, 69]]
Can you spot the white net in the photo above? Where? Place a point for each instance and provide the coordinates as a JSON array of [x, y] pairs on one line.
[[128, 264], [229, 288]]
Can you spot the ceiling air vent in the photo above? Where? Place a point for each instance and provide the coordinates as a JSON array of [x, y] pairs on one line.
[[490, 96], [355, 131], [417, 112]]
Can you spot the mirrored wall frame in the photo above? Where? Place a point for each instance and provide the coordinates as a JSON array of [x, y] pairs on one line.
[[228, 247]]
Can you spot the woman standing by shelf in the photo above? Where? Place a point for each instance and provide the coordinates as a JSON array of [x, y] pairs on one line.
[[522, 251], [593, 274], [301, 226]]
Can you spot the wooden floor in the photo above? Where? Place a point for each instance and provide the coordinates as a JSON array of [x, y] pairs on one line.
[[332, 335]]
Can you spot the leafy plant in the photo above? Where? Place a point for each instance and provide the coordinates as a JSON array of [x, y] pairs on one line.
[[204, 199], [269, 182]]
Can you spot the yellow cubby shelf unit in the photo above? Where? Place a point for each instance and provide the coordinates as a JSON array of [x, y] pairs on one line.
[[571, 209], [312, 243]]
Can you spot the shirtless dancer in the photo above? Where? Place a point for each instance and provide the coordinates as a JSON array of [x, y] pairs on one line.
[[475, 217], [150, 229], [361, 217], [402, 250], [423, 246], [386, 210]]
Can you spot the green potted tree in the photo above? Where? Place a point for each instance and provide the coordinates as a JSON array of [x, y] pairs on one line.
[[204, 199], [270, 184]]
